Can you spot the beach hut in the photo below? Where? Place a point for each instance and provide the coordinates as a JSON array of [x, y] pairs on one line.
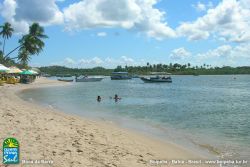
[[28, 76], [12, 77], [36, 70], [14, 70], [3, 69], [26, 72]]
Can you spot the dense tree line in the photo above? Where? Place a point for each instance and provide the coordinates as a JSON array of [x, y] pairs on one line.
[[186, 69], [65, 71], [176, 69]]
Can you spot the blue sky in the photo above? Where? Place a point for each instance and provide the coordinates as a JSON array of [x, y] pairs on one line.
[[108, 33]]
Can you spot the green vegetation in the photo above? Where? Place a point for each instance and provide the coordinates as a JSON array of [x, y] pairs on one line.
[[185, 69], [176, 69], [64, 71], [29, 44]]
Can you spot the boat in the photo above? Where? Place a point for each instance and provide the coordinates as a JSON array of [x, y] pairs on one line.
[[63, 75], [88, 79], [120, 76], [65, 80], [158, 79]]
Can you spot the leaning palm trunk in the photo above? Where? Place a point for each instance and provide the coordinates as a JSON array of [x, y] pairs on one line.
[[12, 51], [4, 44]]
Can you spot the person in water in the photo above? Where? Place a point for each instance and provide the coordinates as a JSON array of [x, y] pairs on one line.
[[99, 98], [117, 98]]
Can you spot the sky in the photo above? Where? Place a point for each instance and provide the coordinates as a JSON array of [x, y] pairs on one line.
[[90, 33]]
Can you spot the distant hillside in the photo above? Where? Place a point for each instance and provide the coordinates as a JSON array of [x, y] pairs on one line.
[[60, 70]]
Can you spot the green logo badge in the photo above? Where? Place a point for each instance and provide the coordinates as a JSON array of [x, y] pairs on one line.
[[10, 151]]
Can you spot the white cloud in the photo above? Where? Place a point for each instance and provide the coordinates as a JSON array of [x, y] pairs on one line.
[[201, 7], [227, 55], [139, 15], [96, 61], [21, 13], [101, 34], [229, 20], [221, 51], [69, 61], [127, 60], [180, 53], [238, 55]]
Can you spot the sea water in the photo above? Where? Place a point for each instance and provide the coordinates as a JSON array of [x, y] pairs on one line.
[[209, 113]]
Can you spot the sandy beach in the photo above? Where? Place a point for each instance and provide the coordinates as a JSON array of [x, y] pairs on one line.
[[67, 140]]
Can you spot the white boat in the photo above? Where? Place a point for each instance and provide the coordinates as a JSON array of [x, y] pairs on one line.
[[65, 80], [157, 79], [88, 79]]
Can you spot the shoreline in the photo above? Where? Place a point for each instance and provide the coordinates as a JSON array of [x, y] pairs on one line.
[[88, 142]]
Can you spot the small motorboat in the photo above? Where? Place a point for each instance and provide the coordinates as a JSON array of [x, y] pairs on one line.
[[157, 79], [65, 80], [88, 79], [120, 76]]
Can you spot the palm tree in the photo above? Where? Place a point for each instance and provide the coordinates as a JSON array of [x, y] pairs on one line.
[[37, 31], [6, 32], [30, 44], [1, 57], [23, 57]]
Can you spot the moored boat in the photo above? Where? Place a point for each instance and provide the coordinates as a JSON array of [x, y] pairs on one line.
[[157, 79], [88, 79], [66, 80], [120, 76]]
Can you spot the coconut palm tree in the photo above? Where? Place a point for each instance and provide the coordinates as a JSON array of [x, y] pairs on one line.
[[1, 57], [37, 31], [23, 57], [31, 43], [6, 32]]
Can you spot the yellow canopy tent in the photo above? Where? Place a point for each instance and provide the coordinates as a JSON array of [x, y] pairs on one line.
[[14, 70]]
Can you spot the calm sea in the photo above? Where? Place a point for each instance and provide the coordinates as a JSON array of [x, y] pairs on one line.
[[206, 113]]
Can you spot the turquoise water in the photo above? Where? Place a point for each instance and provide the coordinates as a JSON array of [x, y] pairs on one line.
[[210, 113]]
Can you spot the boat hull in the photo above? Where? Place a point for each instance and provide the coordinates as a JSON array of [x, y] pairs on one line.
[[147, 80], [89, 80], [120, 77], [66, 80]]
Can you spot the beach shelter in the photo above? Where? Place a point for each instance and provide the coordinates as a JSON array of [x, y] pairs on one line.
[[14, 70], [26, 72], [34, 72], [3, 68]]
